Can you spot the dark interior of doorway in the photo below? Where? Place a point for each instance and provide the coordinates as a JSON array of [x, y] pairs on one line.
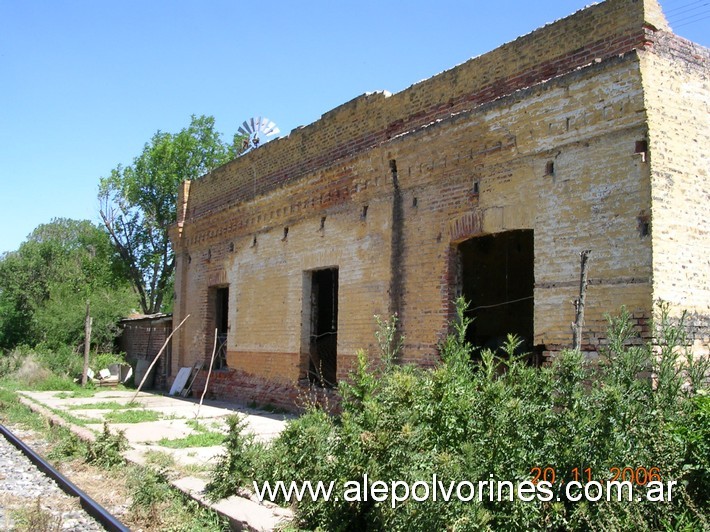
[[221, 324], [323, 358], [498, 282]]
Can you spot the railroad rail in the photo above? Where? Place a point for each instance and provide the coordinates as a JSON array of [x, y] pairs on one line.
[[90, 506]]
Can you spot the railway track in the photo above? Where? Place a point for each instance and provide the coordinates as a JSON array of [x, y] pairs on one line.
[[26, 475]]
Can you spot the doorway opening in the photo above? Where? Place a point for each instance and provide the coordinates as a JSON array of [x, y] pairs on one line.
[[220, 309], [323, 330], [497, 280]]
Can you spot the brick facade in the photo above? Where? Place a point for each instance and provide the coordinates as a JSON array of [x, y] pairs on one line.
[[487, 180], [141, 338]]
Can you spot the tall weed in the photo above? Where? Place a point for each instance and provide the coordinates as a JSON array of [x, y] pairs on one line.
[[106, 451], [637, 406]]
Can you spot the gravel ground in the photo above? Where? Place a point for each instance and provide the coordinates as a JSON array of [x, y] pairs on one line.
[[26, 491]]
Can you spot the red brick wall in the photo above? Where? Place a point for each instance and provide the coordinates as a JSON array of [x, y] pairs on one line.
[[142, 339]]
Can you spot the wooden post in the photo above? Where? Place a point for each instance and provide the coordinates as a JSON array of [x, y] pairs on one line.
[[579, 303], [87, 343], [209, 372], [150, 368]]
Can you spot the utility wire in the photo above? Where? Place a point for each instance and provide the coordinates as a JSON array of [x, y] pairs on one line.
[[699, 10], [683, 7], [688, 9], [503, 303], [688, 14], [691, 18], [693, 21]]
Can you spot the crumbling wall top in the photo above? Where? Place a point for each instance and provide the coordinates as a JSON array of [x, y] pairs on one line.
[[595, 33]]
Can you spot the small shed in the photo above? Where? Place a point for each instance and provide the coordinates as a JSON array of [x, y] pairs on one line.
[[141, 337]]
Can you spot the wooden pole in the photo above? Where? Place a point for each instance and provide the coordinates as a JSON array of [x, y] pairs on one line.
[[156, 359], [87, 343], [579, 303], [209, 372]]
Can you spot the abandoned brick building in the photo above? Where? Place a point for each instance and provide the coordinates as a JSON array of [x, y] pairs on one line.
[[486, 180]]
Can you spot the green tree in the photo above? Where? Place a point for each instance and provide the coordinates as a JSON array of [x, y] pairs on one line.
[[15, 301], [45, 284], [138, 202]]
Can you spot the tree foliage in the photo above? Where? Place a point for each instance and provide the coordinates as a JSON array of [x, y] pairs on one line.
[[45, 284], [138, 202]]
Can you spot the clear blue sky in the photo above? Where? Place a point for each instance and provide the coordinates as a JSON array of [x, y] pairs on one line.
[[85, 83]]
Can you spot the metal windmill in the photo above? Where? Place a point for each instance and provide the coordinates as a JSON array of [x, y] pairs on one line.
[[254, 130]]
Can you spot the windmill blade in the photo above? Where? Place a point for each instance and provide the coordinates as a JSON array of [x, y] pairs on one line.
[[270, 128], [256, 127], [246, 129]]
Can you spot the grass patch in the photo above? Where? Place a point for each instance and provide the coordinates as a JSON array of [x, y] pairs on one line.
[[12, 411], [201, 439], [196, 470], [132, 416], [78, 393], [160, 507], [35, 518], [165, 462], [196, 426], [68, 417], [55, 382], [159, 459], [202, 426], [104, 405]]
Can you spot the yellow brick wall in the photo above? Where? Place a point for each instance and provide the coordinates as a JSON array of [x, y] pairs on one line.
[[588, 125], [678, 108], [573, 95], [592, 201]]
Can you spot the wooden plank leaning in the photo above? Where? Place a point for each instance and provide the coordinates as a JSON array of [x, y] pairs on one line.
[[209, 372]]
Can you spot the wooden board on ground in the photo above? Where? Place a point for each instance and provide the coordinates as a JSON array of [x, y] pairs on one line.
[[181, 380]]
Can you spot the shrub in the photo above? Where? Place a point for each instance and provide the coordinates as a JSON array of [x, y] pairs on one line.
[[639, 406], [239, 463], [148, 487], [31, 372], [106, 450], [159, 506], [66, 445], [62, 360], [99, 361], [12, 361]]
